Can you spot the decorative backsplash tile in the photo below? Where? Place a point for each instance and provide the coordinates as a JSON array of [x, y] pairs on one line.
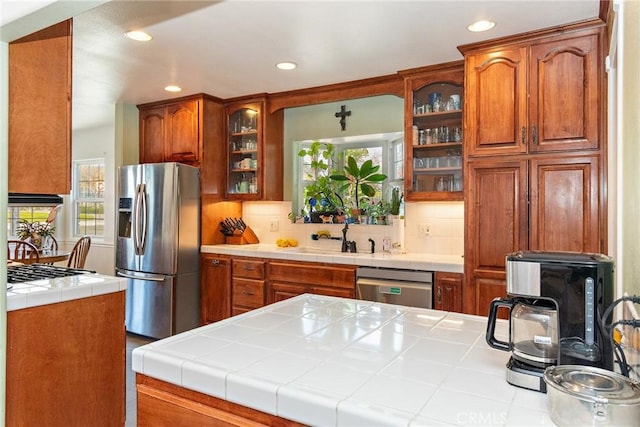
[[446, 221]]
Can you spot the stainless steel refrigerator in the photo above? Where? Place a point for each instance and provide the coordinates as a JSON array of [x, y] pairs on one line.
[[158, 247]]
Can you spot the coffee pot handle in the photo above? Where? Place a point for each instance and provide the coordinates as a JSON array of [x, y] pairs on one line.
[[491, 324]]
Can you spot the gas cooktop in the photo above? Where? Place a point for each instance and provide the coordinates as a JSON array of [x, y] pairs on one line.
[[30, 272]]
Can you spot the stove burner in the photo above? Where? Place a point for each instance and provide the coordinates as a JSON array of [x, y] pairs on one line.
[[30, 272]]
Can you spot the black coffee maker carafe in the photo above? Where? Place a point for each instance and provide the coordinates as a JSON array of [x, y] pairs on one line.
[[554, 300]]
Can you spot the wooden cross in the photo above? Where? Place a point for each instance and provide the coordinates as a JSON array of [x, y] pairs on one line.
[[343, 114]]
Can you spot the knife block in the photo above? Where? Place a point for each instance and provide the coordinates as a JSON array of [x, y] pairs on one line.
[[247, 237]]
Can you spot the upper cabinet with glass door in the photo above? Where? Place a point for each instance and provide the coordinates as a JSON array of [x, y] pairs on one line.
[[433, 125], [254, 139]]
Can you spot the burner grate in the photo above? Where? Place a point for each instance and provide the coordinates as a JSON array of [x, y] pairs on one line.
[[30, 272]]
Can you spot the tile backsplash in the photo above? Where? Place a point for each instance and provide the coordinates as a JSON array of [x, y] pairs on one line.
[[445, 221]]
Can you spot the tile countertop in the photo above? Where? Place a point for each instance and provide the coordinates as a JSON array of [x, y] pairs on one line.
[[330, 361], [50, 291], [414, 261]]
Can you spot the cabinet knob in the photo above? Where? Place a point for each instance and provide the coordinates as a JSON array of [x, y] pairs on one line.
[[215, 262]]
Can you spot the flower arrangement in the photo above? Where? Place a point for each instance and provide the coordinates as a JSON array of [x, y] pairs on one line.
[[37, 232]]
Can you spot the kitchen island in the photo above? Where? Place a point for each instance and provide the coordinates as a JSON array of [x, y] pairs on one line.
[[66, 352], [329, 361]]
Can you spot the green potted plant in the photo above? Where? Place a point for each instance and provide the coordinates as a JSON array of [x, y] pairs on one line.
[[359, 180], [320, 194]]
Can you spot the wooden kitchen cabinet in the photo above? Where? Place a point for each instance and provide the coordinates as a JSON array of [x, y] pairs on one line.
[[448, 291], [66, 363], [546, 203], [534, 150], [287, 279], [247, 283], [215, 288], [187, 130], [39, 95], [538, 95], [254, 147], [433, 124]]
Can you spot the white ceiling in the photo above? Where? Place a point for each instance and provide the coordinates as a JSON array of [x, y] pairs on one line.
[[230, 48]]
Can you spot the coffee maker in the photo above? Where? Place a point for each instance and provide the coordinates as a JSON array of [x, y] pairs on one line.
[[555, 301]]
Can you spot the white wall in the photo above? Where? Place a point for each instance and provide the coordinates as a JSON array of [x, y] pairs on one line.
[[628, 148]]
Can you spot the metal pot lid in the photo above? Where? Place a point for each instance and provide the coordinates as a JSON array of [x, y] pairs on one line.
[[593, 384]]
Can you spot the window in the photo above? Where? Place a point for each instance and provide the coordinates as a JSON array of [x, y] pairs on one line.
[[28, 213], [88, 197], [385, 150]]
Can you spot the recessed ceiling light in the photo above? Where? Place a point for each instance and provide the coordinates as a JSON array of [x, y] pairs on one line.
[[139, 36], [286, 65], [173, 88], [479, 26]]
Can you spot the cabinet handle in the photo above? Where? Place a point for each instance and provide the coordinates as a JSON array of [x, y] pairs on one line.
[[524, 135], [248, 268], [245, 292], [215, 262], [535, 135], [439, 294]]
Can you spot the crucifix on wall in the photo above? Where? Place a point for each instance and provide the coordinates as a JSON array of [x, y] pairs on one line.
[[343, 114]]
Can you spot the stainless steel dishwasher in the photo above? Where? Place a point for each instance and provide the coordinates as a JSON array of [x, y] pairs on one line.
[[413, 288]]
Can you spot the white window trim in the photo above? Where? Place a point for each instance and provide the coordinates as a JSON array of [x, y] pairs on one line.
[[75, 198]]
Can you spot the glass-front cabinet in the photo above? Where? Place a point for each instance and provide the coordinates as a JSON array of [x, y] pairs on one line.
[[245, 152], [433, 114]]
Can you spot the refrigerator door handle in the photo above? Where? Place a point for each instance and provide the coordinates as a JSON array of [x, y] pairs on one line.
[[144, 217], [152, 278], [137, 219]]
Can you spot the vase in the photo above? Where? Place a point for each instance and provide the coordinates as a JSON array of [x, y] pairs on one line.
[[37, 240]]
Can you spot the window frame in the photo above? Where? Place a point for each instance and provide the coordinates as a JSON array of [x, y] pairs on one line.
[[77, 199], [387, 142]]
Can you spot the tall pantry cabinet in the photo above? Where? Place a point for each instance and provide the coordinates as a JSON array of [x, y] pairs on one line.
[[534, 151]]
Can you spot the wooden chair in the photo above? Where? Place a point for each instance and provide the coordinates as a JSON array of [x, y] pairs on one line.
[[79, 252], [22, 251], [49, 243]]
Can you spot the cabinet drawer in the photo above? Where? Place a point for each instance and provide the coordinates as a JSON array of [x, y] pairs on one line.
[[248, 269], [313, 274], [248, 293]]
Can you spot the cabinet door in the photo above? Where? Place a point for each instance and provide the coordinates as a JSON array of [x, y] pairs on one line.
[[39, 113], [278, 291], [245, 148], [448, 291], [496, 100], [215, 288], [565, 204], [433, 123], [152, 135], [565, 95], [495, 223], [182, 142]]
